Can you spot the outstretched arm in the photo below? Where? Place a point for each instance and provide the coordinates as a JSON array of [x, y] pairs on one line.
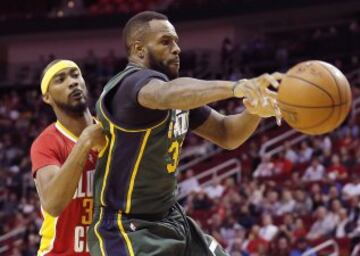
[[183, 93], [189, 93], [228, 132]]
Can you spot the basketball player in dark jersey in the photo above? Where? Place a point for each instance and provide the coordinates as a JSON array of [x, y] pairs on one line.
[[146, 112]]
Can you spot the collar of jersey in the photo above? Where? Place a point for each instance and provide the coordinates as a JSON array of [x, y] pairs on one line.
[[68, 134]]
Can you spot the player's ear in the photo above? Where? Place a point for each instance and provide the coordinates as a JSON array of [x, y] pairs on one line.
[[46, 98], [139, 49]]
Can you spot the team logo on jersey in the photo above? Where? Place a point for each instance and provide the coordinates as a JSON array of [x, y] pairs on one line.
[[179, 123]]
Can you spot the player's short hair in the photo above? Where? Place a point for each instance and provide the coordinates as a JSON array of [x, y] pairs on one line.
[[136, 26]]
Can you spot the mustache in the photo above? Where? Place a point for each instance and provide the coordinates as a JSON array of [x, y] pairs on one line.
[[76, 91]]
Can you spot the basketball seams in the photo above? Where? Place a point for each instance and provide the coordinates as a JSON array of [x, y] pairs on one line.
[[313, 125], [324, 91], [315, 104], [302, 106], [313, 84], [337, 87]]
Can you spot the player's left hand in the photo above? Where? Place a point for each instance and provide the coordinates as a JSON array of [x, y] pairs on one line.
[[259, 99], [267, 108]]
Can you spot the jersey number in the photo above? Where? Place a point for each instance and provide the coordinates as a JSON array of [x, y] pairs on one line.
[[174, 151], [88, 211]]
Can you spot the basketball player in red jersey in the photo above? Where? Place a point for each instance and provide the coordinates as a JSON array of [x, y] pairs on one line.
[[63, 162]]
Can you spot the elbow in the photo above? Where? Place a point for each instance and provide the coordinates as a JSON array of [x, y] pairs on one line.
[[53, 209], [229, 145]]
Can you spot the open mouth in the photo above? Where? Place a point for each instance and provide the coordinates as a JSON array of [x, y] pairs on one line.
[[77, 94]]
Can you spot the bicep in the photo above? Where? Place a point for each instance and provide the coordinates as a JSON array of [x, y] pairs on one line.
[[150, 95], [213, 128], [43, 178]]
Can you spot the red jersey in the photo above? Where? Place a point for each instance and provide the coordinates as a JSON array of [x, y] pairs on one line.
[[65, 234]]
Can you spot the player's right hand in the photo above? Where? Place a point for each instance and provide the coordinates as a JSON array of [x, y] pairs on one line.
[[95, 135]]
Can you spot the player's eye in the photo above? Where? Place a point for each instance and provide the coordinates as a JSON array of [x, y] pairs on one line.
[[165, 42], [75, 74], [59, 79]]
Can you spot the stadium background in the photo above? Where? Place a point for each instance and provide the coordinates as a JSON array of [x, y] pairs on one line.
[[255, 200]]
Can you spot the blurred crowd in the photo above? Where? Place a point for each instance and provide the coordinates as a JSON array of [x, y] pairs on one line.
[[283, 204], [286, 203]]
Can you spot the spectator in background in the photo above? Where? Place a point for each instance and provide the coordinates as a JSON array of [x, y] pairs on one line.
[[326, 144], [356, 167], [354, 211], [315, 172], [302, 247], [215, 189], [229, 228], [271, 202], [287, 203], [305, 153], [236, 248], [322, 226], [325, 158], [288, 225], [334, 213], [255, 243], [280, 246], [303, 203], [282, 166], [245, 218], [316, 196], [336, 170], [299, 229], [201, 201], [268, 230], [290, 153], [342, 226], [265, 168], [189, 184], [345, 158], [331, 195], [352, 188], [345, 139]]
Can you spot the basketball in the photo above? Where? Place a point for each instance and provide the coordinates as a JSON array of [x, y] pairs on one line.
[[314, 97]]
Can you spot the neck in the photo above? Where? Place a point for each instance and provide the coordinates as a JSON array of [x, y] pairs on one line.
[[138, 62], [75, 123]]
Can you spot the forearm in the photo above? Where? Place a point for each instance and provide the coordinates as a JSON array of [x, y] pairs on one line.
[[238, 128], [188, 93], [61, 188]]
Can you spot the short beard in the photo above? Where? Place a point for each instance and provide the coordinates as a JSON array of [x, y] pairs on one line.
[[77, 110], [159, 66]]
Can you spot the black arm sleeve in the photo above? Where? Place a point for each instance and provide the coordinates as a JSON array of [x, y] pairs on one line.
[[125, 108], [198, 116]]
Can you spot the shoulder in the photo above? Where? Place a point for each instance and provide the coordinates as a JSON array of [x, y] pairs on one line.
[[48, 138], [146, 74]]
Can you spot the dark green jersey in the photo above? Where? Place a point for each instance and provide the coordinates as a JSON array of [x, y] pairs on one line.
[[136, 172]]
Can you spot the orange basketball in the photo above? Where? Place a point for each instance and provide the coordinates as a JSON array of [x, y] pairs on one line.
[[314, 97]]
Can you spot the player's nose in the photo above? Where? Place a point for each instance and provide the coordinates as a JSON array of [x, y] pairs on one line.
[[176, 49], [73, 83]]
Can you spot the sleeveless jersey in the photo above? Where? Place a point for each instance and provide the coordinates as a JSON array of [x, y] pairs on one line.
[[136, 172], [65, 234]]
